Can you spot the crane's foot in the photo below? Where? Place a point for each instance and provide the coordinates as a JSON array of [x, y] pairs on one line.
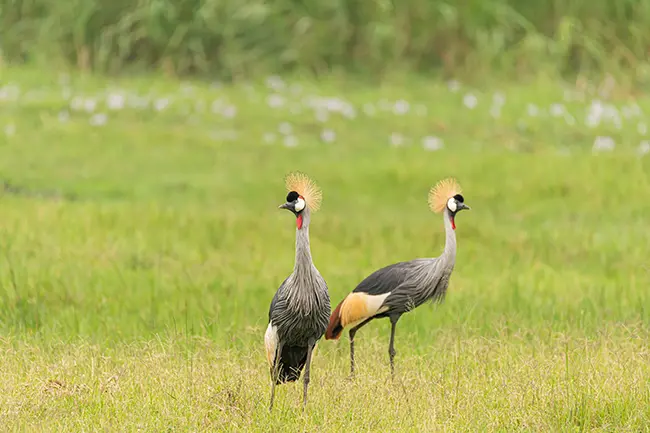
[[352, 374]]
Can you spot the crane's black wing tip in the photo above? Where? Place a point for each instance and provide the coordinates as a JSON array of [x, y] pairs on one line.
[[292, 361], [286, 376]]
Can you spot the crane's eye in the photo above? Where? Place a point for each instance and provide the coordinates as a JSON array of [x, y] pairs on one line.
[[292, 196], [300, 204], [451, 204]]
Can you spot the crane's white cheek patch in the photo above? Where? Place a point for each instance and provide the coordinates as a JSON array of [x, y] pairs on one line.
[[271, 342], [361, 306], [300, 204], [451, 204]]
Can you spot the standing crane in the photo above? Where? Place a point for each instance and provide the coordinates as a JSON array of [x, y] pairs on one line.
[[300, 309], [399, 288]]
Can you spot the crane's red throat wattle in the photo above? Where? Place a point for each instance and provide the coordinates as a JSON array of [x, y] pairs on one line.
[[453, 224], [299, 222]]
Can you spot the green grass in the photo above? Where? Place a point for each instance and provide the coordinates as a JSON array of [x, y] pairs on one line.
[[139, 259]]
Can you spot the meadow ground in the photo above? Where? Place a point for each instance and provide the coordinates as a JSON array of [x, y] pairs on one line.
[[142, 244]]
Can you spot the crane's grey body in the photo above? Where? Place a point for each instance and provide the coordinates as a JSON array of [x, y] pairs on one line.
[[412, 283], [295, 324], [298, 315]]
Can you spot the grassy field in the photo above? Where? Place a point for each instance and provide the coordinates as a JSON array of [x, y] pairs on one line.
[[142, 244]]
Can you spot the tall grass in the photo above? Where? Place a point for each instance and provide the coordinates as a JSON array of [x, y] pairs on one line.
[[232, 38]]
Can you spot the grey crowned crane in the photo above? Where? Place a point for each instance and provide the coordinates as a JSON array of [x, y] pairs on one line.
[[300, 309], [399, 288]]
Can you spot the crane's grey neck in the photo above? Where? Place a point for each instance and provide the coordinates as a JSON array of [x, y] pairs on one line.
[[304, 294], [449, 254], [303, 252]]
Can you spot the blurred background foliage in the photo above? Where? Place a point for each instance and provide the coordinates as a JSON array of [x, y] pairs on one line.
[[234, 39]]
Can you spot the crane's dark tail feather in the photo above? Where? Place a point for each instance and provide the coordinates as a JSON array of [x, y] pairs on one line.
[[292, 361], [334, 328]]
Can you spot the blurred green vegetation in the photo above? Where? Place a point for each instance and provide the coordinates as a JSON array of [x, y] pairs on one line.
[[231, 39]]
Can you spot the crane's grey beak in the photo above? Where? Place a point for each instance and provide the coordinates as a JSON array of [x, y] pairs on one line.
[[286, 206], [463, 206]]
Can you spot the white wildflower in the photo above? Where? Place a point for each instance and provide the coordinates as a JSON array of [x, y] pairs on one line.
[[396, 139], [603, 144], [453, 85], [432, 143], [327, 135], [269, 138], [290, 141], [557, 110], [229, 112], [401, 107], [285, 128], [161, 103], [115, 101], [275, 101], [89, 105], [98, 119], [369, 110], [470, 101]]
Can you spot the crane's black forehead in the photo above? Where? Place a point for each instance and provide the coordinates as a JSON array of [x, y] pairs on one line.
[[292, 196], [459, 198]]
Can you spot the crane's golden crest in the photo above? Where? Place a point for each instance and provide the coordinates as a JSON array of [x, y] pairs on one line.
[[307, 188], [441, 193]]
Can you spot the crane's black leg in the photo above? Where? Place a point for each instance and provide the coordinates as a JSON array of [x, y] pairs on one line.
[[305, 378], [391, 346], [275, 372], [352, 332]]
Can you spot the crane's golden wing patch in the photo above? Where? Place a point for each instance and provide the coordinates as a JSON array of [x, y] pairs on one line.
[[359, 306], [307, 188], [441, 192]]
